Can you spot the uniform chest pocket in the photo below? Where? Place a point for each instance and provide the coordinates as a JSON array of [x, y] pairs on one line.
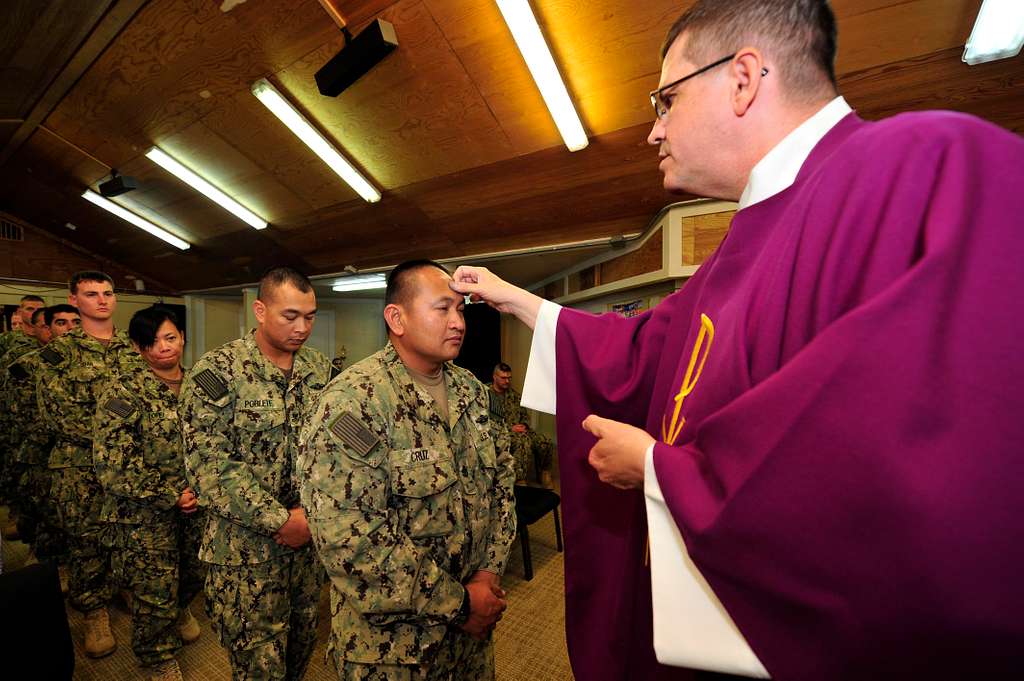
[[423, 495], [259, 419]]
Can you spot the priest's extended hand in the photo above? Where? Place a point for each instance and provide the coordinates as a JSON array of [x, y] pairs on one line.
[[618, 456], [481, 284]]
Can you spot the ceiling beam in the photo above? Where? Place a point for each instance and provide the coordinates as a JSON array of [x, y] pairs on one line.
[[106, 30]]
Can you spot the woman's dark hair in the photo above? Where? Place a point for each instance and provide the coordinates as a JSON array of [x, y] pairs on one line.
[[145, 323]]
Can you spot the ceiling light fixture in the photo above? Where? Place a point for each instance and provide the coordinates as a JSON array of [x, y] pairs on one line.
[[998, 32], [534, 49], [128, 216], [361, 282], [203, 186], [297, 123]]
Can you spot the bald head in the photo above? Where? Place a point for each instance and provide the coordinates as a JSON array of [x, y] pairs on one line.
[[797, 36]]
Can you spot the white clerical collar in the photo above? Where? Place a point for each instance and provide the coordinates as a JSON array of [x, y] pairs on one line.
[[779, 167]]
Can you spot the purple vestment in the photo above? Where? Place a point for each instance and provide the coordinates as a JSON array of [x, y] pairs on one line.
[[850, 475]]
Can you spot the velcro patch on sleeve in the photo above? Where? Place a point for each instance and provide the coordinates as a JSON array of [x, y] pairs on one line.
[[51, 356], [119, 407], [211, 384], [354, 434], [18, 372]]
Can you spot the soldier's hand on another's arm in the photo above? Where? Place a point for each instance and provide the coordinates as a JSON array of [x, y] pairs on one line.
[[519, 428], [485, 608], [295, 532], [187, 502]]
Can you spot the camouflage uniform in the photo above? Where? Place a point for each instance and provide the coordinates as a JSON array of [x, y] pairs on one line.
[[15, 344], [74, 368], [240, 418], [532, 451], [404, 508], [140, 463], [31, 454]]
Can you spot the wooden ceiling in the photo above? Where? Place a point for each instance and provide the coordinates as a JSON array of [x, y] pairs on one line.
[[450, 125]]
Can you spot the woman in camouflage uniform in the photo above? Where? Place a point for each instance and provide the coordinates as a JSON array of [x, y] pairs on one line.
[[154, 523]]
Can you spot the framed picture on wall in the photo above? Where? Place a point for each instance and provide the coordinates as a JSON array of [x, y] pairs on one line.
[[631, 308]]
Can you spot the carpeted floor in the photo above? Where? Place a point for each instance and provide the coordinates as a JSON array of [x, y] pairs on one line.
[[529, 641]]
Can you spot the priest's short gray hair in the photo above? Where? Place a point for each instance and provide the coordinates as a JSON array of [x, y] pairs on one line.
[[799, 36]]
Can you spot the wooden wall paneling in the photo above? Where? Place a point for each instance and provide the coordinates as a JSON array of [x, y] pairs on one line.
[[994, 91], [416, 115], [647, 258], [37, 39], [99, 38], [252, 131], [876, 32], [45, 257], [483, 44], [149, 84], [701, 235], [609, 158], [608, 53]]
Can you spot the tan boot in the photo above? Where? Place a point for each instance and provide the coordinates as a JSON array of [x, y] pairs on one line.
[[99, 641], [166, 671], [188, 627], [62, 572]]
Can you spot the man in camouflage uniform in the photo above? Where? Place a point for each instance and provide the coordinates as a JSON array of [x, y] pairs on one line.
[[532, 451], [33, 443], [410, 504], [73, 369], [242, 406], [154, 523], [14, 344]]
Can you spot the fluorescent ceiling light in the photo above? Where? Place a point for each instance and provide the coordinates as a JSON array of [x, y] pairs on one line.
[[297, 123], [128, 216], [158, 156], [361, 282], [526, 32], [998, 32]]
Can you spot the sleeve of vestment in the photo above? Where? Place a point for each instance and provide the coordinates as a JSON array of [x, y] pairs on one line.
[[214, 462]]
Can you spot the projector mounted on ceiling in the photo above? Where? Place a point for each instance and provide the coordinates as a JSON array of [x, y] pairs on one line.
[[359, 55], [117, 185]]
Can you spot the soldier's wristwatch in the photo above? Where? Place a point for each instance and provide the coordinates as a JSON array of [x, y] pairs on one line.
[[463, 613]]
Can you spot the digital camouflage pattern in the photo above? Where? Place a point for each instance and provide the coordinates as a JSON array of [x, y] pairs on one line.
[[159, 567], [240, 448], [140, 463], [276, 639], [240, 419], [403, 508], [15, 344], [531, 450], [74, 369], [31, 449]]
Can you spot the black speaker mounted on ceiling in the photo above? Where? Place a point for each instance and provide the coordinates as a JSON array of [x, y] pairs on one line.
[[359, 55], [117, 185]]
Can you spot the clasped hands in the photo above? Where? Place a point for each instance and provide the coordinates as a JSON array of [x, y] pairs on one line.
[[618, 455], [295, 532], [486, 604], [188, 502]]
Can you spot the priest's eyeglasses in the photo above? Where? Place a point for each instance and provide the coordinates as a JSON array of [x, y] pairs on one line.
[[658, 98]]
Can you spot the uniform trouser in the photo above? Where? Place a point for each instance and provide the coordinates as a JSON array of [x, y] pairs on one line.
[[459, 658], [266, 614], [532, 453], [79, 500], [159, 565], [38, 512]]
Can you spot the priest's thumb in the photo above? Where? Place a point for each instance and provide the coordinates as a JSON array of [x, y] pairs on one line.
[[594, 425]]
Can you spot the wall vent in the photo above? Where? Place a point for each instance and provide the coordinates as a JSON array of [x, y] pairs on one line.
[[10, 231]]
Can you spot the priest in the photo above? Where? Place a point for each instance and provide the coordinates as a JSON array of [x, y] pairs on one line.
[[830, 407]]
